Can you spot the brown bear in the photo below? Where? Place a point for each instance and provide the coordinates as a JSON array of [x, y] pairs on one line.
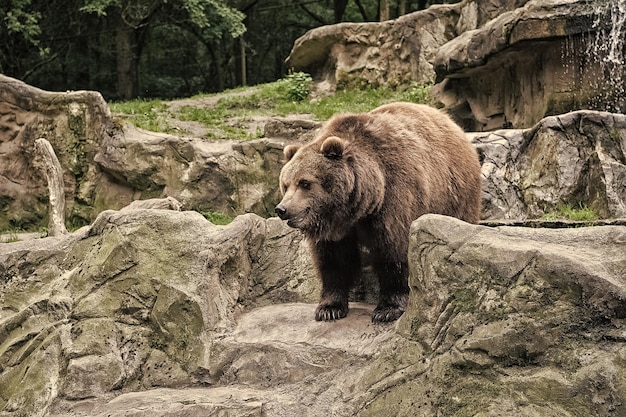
[[362, 181]]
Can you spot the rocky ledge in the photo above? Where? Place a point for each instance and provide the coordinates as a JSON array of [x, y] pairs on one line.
[[152, 312]]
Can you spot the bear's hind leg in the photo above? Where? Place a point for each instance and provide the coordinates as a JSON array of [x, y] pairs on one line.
[[337, 263], [394, 290]]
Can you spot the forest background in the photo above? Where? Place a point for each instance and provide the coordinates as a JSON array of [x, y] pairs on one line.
[[129, 49]]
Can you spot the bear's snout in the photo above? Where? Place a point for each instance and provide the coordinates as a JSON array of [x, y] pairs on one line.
[[281, 211]]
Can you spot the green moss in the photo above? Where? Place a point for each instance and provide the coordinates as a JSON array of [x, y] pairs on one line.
[[465, 395], [216, 218], [177, 321], [614, 134], [465, 299]]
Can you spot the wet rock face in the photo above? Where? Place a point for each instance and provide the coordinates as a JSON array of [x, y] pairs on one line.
[[159, 313], [538, 60], [497, 64]]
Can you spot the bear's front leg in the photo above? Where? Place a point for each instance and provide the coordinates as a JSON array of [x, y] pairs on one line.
[[394, 290], [337, 265]]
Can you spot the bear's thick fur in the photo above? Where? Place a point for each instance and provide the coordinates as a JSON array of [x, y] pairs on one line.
[[362, 181]]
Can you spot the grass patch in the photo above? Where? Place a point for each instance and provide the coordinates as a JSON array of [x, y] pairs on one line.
[[219, 219], [354, 101], [569, 212], [145, 114], [10, 236]]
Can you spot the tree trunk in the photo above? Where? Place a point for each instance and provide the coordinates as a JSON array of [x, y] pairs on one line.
[[384, 10], [242, 49], [339, 9], [54, 176], [127, 62]]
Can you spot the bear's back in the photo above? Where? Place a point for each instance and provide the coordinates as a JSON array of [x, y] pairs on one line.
[[428, 163]]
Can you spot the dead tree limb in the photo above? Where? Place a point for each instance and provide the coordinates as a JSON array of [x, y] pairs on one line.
[[54, 176]]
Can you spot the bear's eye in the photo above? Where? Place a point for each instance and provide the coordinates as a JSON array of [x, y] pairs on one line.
[[304, 184]]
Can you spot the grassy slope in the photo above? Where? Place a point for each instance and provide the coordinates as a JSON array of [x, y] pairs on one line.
[[225, 114]]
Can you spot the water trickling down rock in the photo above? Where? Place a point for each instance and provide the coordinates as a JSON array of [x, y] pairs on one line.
[[607, 48]]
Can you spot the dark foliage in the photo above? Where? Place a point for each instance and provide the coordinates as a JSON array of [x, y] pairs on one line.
[[78, 44]]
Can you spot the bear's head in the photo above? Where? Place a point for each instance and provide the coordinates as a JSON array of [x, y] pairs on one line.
[[324, 186]]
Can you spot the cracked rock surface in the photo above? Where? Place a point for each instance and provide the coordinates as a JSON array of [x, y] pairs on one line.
[[152, 312], [578, 158]]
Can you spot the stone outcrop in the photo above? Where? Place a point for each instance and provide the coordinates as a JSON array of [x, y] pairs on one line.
[[576, 159], [390, 53], [224, 176], [75, 123], [160, 313], [107, 165], [496, 64], [531, 62]]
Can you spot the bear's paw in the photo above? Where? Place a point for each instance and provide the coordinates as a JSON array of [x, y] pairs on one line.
[[331, 311], [390, 308]]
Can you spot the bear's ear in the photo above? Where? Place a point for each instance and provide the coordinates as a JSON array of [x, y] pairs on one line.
[[333, 147], [290, 151]]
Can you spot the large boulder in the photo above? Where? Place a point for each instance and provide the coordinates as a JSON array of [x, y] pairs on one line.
[[514, 321], [390, 53], [137, 300], [75, 123], [546, 58], [160, 313], [576, 159], [224, 176]]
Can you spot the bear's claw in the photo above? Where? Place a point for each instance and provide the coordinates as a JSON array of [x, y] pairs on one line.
[[329, 313]]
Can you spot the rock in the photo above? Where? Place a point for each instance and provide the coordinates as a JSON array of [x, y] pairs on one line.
[[74, 123], [528, 63], [159, 313], [169, 203], [578, 159], [226, 177], [513, 319], [391, 53], [135, 286], [292, 129], [108, 166]]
